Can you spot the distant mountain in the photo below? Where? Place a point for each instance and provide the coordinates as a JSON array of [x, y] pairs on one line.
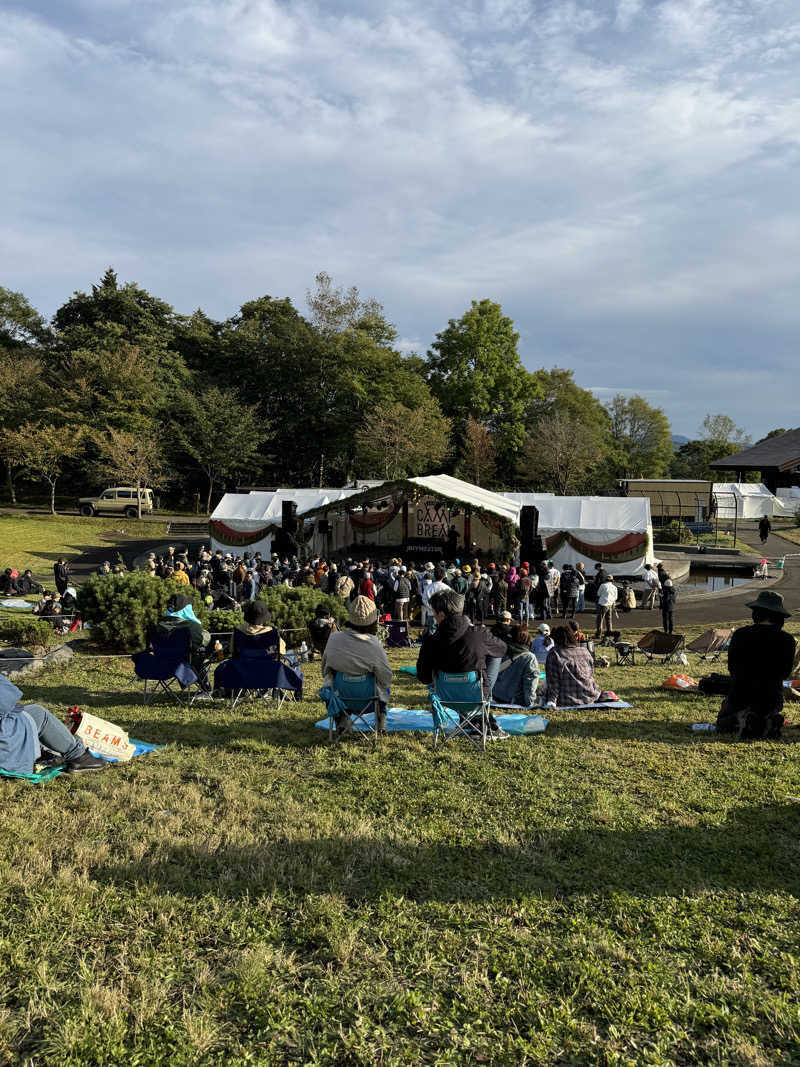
[[678, 440]]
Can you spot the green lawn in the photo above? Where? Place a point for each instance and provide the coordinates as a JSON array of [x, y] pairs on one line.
[[617, 891], [37, 542]]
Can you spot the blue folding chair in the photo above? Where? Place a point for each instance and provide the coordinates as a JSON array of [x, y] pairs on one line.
[[251, 644], [258, 674], [354, 695], [459, 708], [165, 663]]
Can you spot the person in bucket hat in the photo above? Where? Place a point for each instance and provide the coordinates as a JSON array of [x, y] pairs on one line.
[[357, 650], [760, 658]]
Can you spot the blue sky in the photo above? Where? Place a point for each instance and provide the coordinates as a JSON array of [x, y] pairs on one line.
[[621, 175]]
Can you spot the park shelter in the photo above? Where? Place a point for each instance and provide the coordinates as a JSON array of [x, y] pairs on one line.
[[247, 522], [743, 500], [777, 459], [614, 531]]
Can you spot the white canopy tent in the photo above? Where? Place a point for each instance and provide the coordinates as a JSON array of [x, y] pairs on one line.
[[787, 501], [614, 531], [248, 521], [744, 500]]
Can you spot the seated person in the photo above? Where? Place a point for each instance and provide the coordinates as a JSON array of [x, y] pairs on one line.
[[503, 626], [27, 729], [26, 586], [760, 657], [8, 583], [569, 672], [542, 643], [257, 623], [518, 676], [457, 647], [180, 616], [321, 627], [44, 607], [69, 602], [357, 650]]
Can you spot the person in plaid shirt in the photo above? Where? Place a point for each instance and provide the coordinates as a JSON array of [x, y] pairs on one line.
[[569, 672]]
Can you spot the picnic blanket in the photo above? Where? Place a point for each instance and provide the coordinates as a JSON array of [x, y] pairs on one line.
[[141, 748], [420, 719], [15, 604], [578, 707]]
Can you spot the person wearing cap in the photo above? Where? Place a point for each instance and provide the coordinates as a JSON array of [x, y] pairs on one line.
[[502, 626], [668, 597], [760, 658], [357, 650], [542, 643]]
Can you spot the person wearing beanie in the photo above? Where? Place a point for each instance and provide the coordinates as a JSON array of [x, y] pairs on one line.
[[357, 650], [760, 658], [542, 643], [458, 646]]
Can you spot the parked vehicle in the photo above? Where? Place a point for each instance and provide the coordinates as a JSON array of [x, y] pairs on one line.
[[121, 500]]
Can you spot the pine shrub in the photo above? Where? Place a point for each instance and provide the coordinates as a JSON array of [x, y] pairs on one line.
[[120, 608], [291, 609], [27, 631]]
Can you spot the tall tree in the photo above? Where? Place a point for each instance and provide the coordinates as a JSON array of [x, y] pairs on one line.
[[21, 375], [21, 325], [395, 441], [41, 451], [641, 438], [478, 453], [134, 459], [222, 434], [560, 454], [474, 369], [722, 430]]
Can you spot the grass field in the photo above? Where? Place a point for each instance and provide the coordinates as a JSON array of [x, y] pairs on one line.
[[617, 891], [37, 542]]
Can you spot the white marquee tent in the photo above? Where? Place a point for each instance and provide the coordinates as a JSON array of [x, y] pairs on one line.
[[744, 500], [248, 521]]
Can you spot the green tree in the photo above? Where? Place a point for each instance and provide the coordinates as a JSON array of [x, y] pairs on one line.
[[474, 369], [478, 453], [722, 430], [395, 441], [222, 434], [41, 451], [694, 459], [21, 375], [555, 390], [560, 454], [21, 325], [641, 439]]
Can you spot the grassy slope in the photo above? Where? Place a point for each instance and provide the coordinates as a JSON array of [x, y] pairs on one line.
[[618, 891], [38, 542]]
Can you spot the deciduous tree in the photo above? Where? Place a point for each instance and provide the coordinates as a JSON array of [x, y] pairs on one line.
[[559, 455], [478, 453], [41, 450], [641, 439], [395, 441], [134, 459]]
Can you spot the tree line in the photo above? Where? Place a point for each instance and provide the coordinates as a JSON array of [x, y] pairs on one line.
[[119, 387]]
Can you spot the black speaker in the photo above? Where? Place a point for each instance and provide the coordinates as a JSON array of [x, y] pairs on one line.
[[288, 516], [323, 526], [528, 522]]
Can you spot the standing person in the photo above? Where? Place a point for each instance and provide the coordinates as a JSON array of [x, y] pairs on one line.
[[499, 595], [760, 657], [668, 597], [402, 595], [580, 574], [524, 590], [61, 574], [651, 587], [569, 592], [764, 527], [606, 599], [367, 586], [543, 592]]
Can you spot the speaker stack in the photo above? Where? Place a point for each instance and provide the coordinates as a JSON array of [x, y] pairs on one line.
[[532, 547]]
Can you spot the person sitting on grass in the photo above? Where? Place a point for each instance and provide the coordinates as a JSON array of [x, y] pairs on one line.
[[458, 647], [27, 585], [518, 676], [569, 672], [542, 643], [26, 730], [760, 658], [8, 583], [321, 627], [357, 650]]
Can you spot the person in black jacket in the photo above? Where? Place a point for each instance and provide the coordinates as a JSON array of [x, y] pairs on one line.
[[668, 597], [61, 574], [458, 647], [760, 657], [8, 583], [26, 586]]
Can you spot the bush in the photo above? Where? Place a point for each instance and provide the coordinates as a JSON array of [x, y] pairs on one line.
[[120, 608], [25, 631], [292, 608], [672, 533], [223, 621]]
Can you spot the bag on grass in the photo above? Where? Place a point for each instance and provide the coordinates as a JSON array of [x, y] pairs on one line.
[[102, 737], [679, 681], [715, 684]]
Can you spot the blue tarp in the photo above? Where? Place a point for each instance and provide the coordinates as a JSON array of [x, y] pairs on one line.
[[419, 719]]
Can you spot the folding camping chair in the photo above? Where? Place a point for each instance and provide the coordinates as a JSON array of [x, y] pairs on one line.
[[254, 674], [166, 663], [711, 644], [653, 645], [354, 695], [397, 636], [459, 708]]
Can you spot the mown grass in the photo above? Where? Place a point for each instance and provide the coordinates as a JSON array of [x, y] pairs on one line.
[[38, 541], [617, 891]]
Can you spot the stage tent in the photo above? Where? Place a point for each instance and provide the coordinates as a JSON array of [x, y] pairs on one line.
[[744, 500], [614, 531], [247, 522], [787, 501]]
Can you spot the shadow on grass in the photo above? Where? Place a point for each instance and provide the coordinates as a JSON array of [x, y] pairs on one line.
[[755, 851]]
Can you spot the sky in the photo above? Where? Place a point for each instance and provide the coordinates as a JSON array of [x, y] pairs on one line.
[[620, 175]]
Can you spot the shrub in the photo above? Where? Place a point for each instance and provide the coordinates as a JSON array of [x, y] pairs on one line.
[[292, 608], [223, 621], [25, 631], [121, 607], [672, 533]]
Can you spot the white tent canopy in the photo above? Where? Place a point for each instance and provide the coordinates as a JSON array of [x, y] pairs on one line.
[[614, 531], [249, 520], [500, 504], [744, 500]]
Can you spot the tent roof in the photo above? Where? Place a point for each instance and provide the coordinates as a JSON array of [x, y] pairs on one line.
[[266, 507], [631, 514], [781, 453], [466, 493], [741, 488]]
